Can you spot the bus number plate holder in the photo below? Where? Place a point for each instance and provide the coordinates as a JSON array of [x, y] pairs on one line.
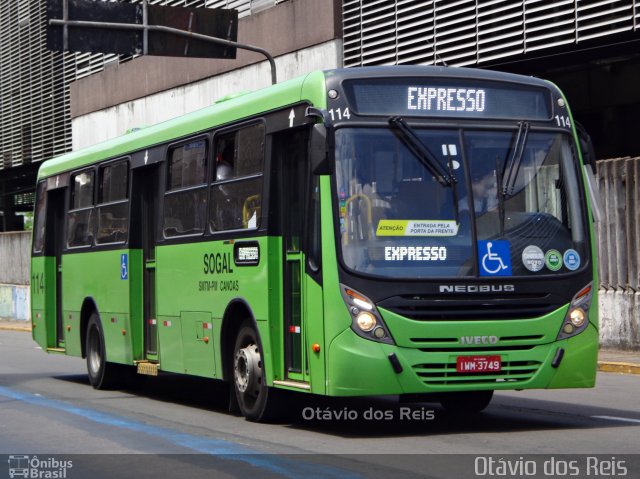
[[478, 364]]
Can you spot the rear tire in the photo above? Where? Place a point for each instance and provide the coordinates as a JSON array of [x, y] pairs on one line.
[[256, 401], [102, 374], [471, 402]]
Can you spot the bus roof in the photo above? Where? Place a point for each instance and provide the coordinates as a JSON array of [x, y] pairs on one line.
[[310, 87]]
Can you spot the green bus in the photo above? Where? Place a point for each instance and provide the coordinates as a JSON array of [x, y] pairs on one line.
[[354, 232]]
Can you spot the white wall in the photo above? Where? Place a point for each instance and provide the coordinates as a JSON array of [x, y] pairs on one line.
[[112, 122]]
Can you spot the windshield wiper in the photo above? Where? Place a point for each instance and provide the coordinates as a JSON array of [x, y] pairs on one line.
[[408, 137], [422, 152], [513, 165]]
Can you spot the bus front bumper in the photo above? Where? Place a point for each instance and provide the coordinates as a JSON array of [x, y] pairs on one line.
[[359, 367]]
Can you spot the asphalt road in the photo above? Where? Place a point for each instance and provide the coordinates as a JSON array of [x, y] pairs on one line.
[[176, 426]]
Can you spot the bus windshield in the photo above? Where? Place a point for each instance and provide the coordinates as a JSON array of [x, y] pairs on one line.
[[511, 205]]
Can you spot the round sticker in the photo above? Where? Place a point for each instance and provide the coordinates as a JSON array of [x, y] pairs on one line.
[[571, 259], [553, 259], [533, 258]]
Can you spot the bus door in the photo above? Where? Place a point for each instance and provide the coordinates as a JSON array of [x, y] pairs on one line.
[[144, 226], [291, 151], [54, 242]]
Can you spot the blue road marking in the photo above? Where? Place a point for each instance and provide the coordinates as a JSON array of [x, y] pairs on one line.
[[215, 447]]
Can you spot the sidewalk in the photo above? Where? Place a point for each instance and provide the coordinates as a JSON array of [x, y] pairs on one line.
[[9, 325], [614, 361], [609, 360]]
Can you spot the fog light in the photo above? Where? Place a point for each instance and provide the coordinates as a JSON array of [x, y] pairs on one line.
[[577, 317], [366, 321], [379, 333], [568, 328]]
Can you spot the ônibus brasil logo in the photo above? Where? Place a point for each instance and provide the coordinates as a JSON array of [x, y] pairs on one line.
[[34, 467]]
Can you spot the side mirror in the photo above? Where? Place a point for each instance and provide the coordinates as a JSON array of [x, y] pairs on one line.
[[590, 172], [319, 151], [586, 146]]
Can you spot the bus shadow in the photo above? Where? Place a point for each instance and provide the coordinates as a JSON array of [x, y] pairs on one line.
[[189, 391], [381, 417], [386, 418]]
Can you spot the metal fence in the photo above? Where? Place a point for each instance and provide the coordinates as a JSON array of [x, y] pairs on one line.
[[619, 229]]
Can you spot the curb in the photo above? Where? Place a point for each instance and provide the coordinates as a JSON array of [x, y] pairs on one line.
[[618, 367], [11, 327]]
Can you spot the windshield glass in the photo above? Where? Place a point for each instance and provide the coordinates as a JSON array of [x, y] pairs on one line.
[[499, 217]]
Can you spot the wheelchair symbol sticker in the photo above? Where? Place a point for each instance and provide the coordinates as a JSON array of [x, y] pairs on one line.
[[124, 266], [494, 257]]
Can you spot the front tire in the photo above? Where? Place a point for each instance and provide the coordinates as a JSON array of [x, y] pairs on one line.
[[256, 401]]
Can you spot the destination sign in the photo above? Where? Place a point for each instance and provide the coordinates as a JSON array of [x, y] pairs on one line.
[[442, 97]]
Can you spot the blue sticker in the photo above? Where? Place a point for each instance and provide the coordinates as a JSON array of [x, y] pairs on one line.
[[571, 259], [124, 266], [494, 257]]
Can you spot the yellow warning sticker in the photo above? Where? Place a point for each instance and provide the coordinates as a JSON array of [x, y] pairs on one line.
[[417, 228]]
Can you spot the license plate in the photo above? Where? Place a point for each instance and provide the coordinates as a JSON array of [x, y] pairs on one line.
[[478, 364]]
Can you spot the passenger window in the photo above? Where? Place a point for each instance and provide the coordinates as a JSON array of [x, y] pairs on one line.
[[81, 215], [113, 204], [185, 203], [236, 192], [40, 216]]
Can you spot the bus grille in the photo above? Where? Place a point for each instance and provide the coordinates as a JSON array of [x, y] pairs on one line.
[[438, 374], [472, 307]]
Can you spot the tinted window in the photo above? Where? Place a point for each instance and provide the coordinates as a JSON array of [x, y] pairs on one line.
[[113, 210], [40, 215], [185, 203], [82, 194], [187, 165], [236, 193], [81, 217]]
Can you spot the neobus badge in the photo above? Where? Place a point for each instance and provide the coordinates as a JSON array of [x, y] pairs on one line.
[[477, 288]]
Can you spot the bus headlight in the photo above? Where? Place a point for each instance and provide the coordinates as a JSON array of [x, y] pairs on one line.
[[366, 321], [577, 317]]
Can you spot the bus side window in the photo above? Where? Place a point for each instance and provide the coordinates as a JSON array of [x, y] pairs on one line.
[[81, 215], [113, 207], [185, 202], [236, 191], [40, 217]]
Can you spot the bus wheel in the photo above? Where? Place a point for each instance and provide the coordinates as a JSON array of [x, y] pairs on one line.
[[255, 399], [470, 402], [102, 374]]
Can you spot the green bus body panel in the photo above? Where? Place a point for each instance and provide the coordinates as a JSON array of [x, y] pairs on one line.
[[370, 369], [409, 333], [196, 282], [314, 320], [136, 312], [43, 305], [96, 275]]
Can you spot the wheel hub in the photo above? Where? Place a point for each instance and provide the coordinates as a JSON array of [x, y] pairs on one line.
[[246, 366]]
